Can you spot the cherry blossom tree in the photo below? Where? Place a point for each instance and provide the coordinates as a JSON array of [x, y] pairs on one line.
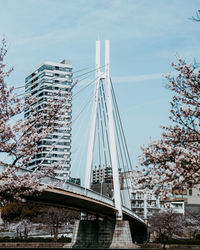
[[192, 222], [20, 137], [174, 160], [197, 17], [16, 211], [57, 219], [22, 228], [165, 224]]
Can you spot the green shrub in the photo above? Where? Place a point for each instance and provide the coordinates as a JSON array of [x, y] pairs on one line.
[[186, 241], [15, 211], [31, 239], [5, 239], [198, 236], [64, 239], [35, 239]]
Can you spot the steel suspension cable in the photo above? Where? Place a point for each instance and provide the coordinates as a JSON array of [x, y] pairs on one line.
[[119, 136], [102, 131], [81, 152], [115, 101], [99, 138], [61, 137], [86, 86], [76, 81], [123, 165], [82, 121], [105, 115], [118, 140], [74, 72], [88, 72], [72, 78], [53, 145], [119, 123]]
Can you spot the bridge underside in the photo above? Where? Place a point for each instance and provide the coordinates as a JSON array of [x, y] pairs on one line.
[[62, 198]]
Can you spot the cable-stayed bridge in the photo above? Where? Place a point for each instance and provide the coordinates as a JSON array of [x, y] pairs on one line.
[[106, 148]]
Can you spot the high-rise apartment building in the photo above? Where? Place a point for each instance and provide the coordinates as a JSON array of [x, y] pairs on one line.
[[101, 174], [48, 80]]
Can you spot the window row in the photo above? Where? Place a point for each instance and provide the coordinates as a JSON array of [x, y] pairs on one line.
[[48, 67]]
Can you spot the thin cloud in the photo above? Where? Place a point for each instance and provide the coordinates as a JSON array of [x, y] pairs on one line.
[[131, 79], [141, 78], [138, 78]]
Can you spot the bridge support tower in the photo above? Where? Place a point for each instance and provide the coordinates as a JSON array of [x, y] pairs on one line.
[[102, 234], [104, 76], [107, 234]]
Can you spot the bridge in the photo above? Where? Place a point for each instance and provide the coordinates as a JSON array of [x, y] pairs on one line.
[[119, 226]]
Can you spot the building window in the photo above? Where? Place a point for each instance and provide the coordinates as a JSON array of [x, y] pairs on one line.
[[190, 192]]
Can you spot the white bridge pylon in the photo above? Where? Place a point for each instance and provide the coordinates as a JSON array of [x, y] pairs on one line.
[[104, 76]]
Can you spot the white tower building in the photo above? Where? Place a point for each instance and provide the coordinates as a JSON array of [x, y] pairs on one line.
[[47, 80]]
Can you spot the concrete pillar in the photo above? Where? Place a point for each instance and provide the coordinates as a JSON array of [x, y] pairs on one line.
[[122, 236], [102, 234]]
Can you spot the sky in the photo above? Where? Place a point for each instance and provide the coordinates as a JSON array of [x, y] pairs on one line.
[[145, 36]]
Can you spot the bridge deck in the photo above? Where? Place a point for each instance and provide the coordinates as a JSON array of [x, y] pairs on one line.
[[73, 195]]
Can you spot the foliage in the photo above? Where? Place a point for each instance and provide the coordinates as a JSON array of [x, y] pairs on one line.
[[15, 211], [55, 218], [185, 241], [168, 224], [165, 224], [49, 217], [23, 228], [21, 217], [192, 222], [20, 138], [174, 160], [197, 17], [64, 239], [34, 239]]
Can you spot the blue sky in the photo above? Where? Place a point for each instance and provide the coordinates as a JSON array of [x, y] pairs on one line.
[[145, 37]]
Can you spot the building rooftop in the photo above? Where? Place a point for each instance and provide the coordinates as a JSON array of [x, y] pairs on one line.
[[63, 63]]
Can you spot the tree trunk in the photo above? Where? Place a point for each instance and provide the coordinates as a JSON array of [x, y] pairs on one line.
[[164, 246], [56, 233]]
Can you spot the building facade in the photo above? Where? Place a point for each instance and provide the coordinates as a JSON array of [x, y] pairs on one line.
[[47, 81], [102, 174], [193, 195], [137, 200], [144, 205]]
